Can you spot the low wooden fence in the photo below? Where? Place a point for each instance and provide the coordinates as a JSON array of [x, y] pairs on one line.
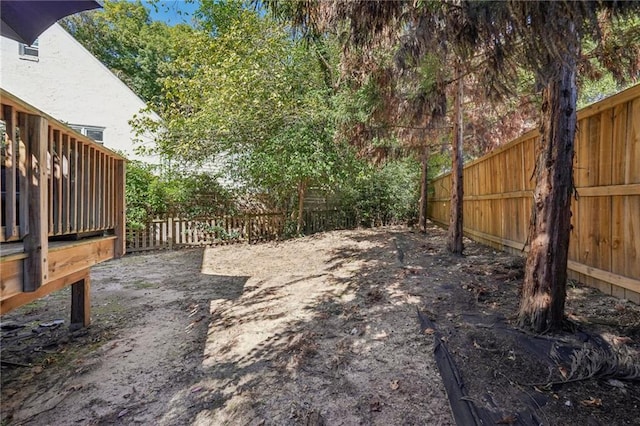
[[604, 251], [170, 233], [328, 220]]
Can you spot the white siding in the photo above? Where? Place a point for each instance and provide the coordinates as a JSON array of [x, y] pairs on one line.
[[70, 84]]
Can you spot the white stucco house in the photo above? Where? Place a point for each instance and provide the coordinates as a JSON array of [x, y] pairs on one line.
[[60, 77]]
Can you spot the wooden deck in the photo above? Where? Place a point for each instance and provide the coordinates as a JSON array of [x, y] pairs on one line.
[[56, 185]]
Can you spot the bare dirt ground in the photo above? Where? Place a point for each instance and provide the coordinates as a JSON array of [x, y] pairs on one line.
[[317, 330]]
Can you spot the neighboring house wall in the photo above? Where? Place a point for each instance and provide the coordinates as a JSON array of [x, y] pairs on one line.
[[67, 82]]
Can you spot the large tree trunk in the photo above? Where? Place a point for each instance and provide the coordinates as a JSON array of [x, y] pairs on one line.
[[455, 219], [422, 219], [544, 289]]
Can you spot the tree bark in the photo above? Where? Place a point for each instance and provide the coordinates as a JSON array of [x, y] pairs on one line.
[[455, 219], [544, 289], [302, 190], [422, 219]]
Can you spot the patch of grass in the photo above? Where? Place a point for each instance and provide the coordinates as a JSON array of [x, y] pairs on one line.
[[142, 285], [110, 307]]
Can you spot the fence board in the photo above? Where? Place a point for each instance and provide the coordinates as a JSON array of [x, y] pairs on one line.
[[604, 249], [632, 155]]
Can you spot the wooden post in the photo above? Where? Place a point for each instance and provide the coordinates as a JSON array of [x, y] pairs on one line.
[[36, 241], [81, 302], [120, 225], [170, 232]]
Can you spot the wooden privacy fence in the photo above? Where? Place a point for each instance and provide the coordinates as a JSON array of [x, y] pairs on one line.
[[604, 250], [170, 233]]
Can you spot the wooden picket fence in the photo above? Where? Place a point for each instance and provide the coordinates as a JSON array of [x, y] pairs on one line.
[[172, 233], [604, 250], [328, 220]]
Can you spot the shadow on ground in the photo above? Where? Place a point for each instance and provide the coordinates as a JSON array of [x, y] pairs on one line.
[[318, 330]]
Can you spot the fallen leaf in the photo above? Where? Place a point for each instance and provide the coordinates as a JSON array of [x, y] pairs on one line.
[[563, 372], [592, 402], [394, 385], [375, 406], [37, 369], [620, 340], [123, 412], [476, 345], [429, 331]]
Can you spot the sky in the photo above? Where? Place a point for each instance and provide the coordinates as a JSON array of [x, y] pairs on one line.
[[172, 11]]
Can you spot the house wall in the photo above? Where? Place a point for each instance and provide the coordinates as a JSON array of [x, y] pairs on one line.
[[70, 84]]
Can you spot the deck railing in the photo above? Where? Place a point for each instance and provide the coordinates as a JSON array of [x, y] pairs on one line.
[[55, 183]]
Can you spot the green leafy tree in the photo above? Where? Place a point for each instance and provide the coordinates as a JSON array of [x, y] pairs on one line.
[[248, 92], [135, 48], [492, 41]]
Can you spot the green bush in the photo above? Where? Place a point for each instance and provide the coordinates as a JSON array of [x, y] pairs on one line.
[[187, 195], [192, 195], [382, 195], [144, 194]]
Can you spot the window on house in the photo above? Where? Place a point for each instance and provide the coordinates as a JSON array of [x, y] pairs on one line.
[[93, 132], [27, 52]]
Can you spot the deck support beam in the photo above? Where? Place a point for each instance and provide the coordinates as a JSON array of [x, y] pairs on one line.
[[81, 303]]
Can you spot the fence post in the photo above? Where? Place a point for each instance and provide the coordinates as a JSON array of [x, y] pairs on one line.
[[170, 232]]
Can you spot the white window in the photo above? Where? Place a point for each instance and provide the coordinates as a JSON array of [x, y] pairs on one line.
[[93, 132], [30, 53]]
